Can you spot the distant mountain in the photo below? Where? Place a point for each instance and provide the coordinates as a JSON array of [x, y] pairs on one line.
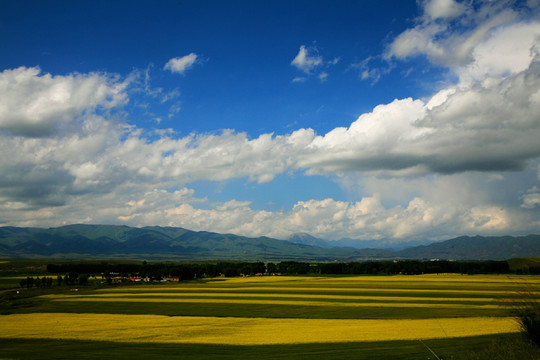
[[155, 242], [174, 243], [387, 244], [306, 239], [460, 248], [477, 248]]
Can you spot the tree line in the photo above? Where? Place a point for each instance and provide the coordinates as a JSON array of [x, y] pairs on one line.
[[160, 270], [46, 282], [416, 267], [190, 271]]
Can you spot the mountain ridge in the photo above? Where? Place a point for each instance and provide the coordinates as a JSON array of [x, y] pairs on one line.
[[175, 243], [386, 244], [155, 242]]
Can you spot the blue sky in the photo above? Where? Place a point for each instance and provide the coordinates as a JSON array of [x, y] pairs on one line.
[[382, 120]]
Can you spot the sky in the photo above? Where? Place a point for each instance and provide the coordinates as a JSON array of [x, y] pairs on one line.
[[394, 121]]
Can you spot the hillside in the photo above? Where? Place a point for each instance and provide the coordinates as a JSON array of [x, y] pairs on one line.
[[477, 248], [306, 239], [155, 242], [174, 243], [460, 248], [386, 244]]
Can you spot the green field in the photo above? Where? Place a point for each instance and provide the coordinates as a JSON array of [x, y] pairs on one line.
[[281, 317]]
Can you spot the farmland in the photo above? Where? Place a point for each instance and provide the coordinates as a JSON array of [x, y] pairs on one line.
[[268, 317]]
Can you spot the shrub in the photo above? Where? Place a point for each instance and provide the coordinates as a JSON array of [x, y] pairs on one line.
[[527, 311]]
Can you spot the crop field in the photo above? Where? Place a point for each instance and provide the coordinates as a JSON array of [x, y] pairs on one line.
[[274, 317]]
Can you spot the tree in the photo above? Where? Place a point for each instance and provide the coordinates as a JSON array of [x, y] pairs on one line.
[[527, 311], [271, 268], [82, 279]]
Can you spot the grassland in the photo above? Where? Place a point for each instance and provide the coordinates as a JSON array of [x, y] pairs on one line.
[[316, 317]]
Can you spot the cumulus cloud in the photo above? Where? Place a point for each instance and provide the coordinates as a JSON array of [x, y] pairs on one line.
[[492, 125], [307, 59], [463, 38], [442, 9], [180, 65], [92, 174], [417, 41], [36, 104], [515, 47], [367, 219]]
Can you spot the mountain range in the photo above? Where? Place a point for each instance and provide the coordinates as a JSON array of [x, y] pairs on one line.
[[307, 239], [174, 243]]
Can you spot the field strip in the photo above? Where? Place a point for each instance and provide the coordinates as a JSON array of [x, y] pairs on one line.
[[258, 289], [240, 331], [166, 295], [273, 302], [434, 278]]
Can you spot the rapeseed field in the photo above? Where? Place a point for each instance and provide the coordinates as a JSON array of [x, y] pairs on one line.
[[241, 331], [203, 300], [274, 311]]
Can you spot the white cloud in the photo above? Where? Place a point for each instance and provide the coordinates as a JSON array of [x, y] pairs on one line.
[[442, 9], [181, 64], [373, 72], [508, 50], [418, 219], [95, 173], [323, 76], [417, 41], [531, 198], [334, 61], [459, 36], [474, 126], [36, 104], [307, 59], [485, 127]]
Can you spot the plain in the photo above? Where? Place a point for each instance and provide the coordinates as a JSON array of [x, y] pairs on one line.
[[373, 317]]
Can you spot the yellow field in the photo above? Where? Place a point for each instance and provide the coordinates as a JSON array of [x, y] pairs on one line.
[[146, 295], [313, 289], [404, 279], [240, 331], [277, 310], [447, 291], [275, 302]]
